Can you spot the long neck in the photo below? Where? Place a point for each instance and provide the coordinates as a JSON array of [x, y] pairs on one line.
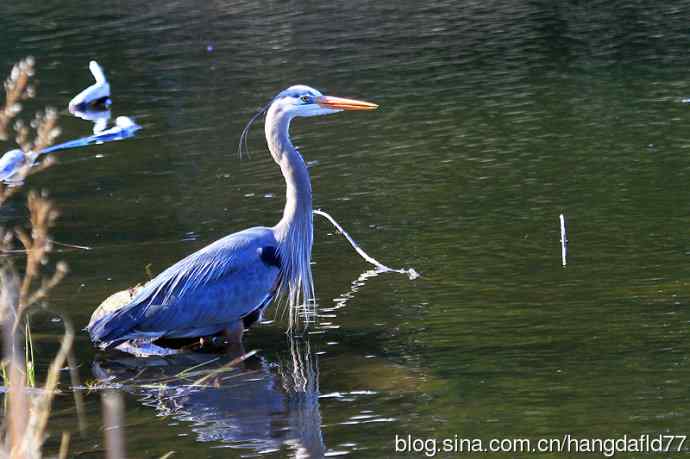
[[298, 194], [294, 231]]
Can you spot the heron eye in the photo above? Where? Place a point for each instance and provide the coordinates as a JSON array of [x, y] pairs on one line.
[[305, 99]]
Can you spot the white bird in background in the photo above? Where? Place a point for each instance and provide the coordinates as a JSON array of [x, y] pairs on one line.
[[10, 164], [96, 95]]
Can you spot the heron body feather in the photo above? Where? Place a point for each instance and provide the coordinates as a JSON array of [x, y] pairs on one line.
[[198, 296]]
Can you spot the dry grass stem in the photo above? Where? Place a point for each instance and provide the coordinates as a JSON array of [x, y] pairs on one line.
[[37, 245], [64, 445], [26, 415], [78, 396], [41, 403], [17, 88]]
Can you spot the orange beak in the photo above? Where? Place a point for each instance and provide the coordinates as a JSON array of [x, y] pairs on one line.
[[338, 103]]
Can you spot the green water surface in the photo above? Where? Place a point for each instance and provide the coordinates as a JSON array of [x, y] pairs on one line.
[[495, 118]]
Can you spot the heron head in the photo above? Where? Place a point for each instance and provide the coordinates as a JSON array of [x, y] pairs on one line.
[[301, 100]]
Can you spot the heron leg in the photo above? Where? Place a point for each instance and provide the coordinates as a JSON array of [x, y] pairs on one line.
[[233, 333], [233, 338]]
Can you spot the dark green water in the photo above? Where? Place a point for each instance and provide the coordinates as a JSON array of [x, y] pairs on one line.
[[495, 118]]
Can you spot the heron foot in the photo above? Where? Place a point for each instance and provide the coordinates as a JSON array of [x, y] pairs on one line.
[[229, 340], [234, 332]]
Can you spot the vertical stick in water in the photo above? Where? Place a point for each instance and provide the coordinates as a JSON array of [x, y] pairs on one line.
[[113, 420], [564, 241]]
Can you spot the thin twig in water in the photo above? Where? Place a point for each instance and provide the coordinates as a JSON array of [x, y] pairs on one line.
[[61, 244], [564, 241], [195, 367], [380, 266], [72, 246]]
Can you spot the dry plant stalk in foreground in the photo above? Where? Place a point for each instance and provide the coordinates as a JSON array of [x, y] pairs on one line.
[[17, 88], [27, 412]]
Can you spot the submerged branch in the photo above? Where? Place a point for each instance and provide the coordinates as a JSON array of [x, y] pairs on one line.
[[411, 273]]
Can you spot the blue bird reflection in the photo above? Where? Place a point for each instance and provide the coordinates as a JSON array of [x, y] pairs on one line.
[[260, 405], [15, 164], [124, 128], [99, 117]]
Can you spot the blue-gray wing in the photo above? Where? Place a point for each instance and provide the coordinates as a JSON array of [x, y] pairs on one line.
[[199, 295]]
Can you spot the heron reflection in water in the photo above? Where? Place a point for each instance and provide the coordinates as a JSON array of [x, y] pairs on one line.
[[226, 286], [96, 96], [259, 405], [99, 117]]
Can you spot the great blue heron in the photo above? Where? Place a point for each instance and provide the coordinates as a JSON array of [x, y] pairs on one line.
[[226, 286]]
